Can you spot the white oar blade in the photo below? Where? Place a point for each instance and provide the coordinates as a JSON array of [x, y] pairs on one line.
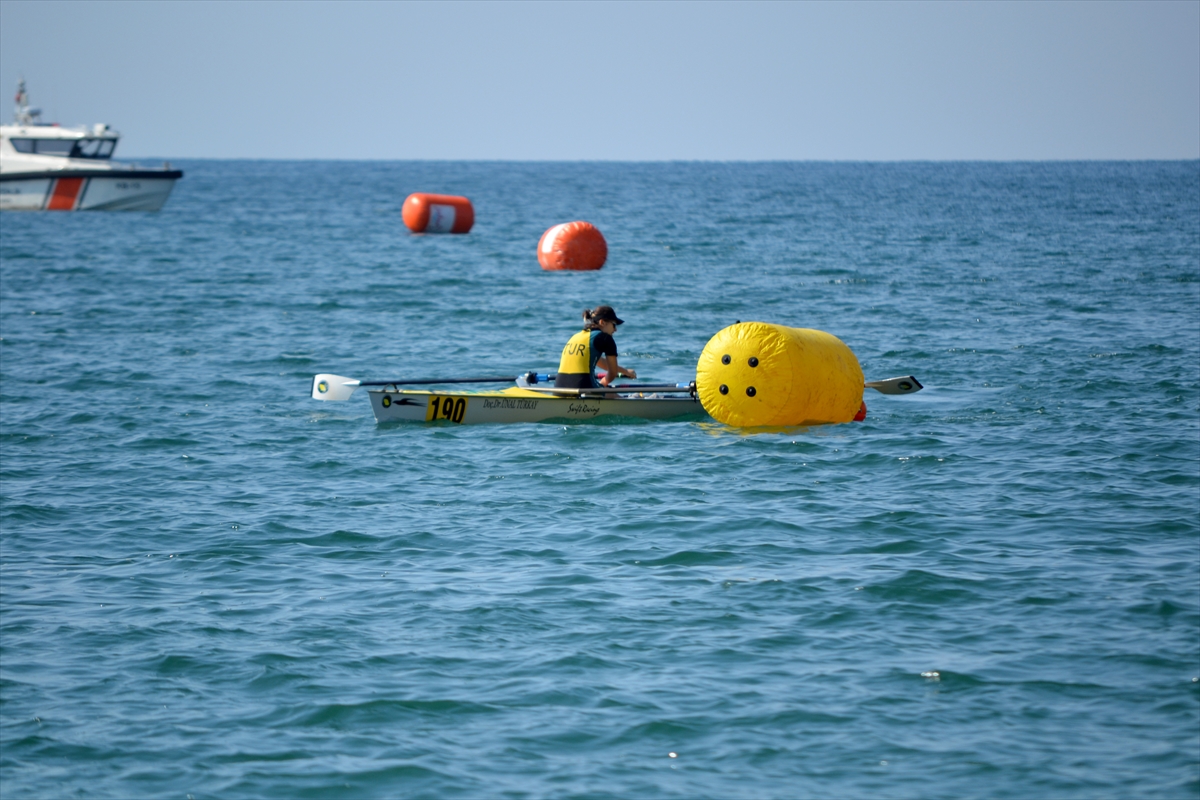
[[333, 387], [906, 385]]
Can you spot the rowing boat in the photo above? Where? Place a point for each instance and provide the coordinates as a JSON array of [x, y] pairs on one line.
[[530, 400], [523, 405], [534, 398]]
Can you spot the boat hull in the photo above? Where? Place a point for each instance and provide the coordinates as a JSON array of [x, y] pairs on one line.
[[519, 405], [84, 190]]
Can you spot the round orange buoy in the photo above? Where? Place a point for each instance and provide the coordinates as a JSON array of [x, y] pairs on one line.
[[572, 245], [438, 213]]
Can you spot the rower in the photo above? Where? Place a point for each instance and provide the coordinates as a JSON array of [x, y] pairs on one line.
[[577, 369]]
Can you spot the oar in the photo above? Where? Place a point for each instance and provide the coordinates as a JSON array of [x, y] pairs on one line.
[[623, 389], [904, 385], [337, 388]]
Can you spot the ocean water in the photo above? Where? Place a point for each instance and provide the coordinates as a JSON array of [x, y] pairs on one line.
[[214, 586]]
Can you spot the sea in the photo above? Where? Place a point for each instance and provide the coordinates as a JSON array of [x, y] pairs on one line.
[[214, 586]]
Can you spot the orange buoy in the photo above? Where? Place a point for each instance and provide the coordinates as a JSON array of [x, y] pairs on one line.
[[438, 213], [572, 245], [862, 412]]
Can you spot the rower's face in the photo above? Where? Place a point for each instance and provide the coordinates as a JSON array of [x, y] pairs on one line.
[[608, 327]]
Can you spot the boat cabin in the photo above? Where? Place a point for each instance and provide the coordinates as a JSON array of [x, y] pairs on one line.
[[30, 136], [73, 145]]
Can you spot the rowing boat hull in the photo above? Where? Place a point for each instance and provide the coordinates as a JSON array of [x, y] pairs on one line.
[[520, 405]]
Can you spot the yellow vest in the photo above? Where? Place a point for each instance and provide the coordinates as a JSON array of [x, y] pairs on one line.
[[577, 367]]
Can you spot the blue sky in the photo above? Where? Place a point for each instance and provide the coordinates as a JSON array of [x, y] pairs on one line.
[[617, 81]]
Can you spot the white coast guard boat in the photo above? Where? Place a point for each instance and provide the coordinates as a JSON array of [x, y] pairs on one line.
[[45, 167], [527, 401]]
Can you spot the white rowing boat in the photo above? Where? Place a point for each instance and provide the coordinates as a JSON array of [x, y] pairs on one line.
[[534, 399], [525, 402], [523, 405]]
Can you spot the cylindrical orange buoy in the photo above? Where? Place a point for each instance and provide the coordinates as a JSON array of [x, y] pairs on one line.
[[757, 374], [438, 213], [572, 245]]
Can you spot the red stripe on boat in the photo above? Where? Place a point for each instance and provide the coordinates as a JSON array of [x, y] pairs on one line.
[[65, 192]]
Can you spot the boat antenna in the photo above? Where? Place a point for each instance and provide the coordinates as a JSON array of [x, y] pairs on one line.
[[23, 114]]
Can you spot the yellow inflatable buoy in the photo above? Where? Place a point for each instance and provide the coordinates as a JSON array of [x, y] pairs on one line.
[[757, 374]]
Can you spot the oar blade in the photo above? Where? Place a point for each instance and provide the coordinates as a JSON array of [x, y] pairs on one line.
[[332, 387], [904, 385]]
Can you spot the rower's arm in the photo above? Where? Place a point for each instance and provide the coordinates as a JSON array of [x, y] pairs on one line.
[[615, 371]]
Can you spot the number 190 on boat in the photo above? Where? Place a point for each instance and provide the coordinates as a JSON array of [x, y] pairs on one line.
[[451, 408]]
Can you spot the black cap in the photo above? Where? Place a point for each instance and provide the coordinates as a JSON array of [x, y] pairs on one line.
[[606, 312]]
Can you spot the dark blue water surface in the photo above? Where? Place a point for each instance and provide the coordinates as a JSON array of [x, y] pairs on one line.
[[214, 586]]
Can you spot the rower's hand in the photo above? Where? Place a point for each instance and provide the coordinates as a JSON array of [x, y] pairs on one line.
[[630, 373], [603, 379]]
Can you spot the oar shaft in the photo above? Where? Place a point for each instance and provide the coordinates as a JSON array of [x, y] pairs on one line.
[[531, 377], [648, 387], [336, 388], [426, 381], [625, 389]]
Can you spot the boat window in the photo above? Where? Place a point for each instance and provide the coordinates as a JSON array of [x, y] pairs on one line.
[[93, 148], [55, 147], [74, 148]]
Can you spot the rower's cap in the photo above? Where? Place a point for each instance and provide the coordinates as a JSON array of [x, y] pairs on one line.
[[606, 312]]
